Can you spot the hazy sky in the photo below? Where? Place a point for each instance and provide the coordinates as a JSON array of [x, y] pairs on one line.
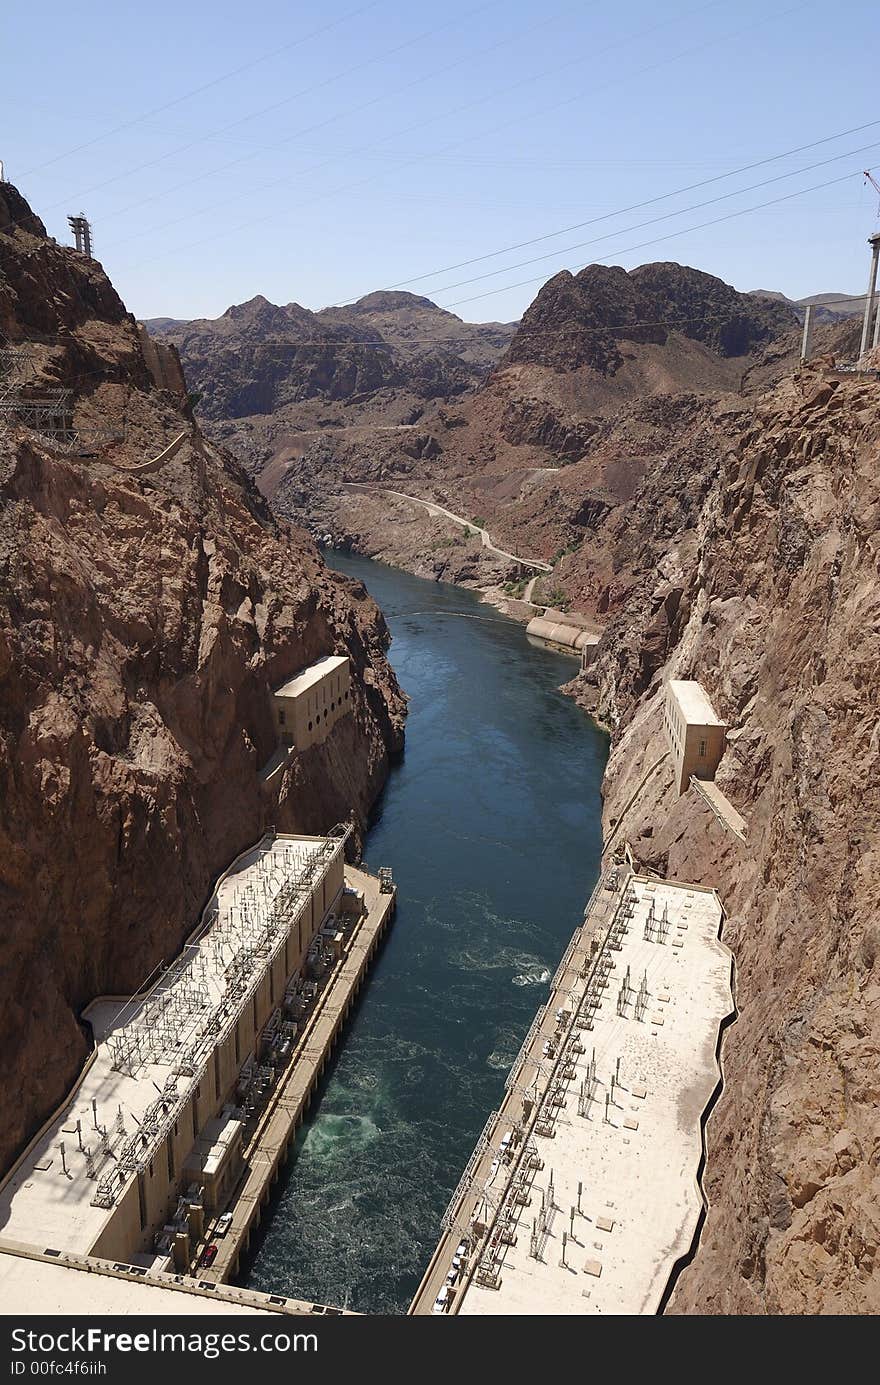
[[314, 152]]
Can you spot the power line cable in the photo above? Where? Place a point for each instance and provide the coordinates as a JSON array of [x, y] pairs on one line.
[[205, 86], [650, 67], [729, 216], [310, 129], [355, 110], [445, 113], [454, 145], [667, 216], [634, 207], [266, 110]]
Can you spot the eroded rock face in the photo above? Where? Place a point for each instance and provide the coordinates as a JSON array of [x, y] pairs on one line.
[[601, 382], [589, 318], [776, 609], [259, 358], [143, 621]]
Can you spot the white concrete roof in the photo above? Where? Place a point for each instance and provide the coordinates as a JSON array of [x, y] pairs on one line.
[[33, 1286], [640, 1198], [695, 705], [42, 1206], [311, 675], [37, 1286]]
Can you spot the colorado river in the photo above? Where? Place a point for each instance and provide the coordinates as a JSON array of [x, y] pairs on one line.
[[491, 824]]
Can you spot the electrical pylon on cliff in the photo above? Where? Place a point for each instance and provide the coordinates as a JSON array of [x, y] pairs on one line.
[[82, 234]]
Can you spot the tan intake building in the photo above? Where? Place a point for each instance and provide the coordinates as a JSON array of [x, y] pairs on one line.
[[696, 734], [309, 705]]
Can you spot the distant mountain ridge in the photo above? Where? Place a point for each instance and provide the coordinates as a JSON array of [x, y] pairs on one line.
[[833, 307], [258, 356]]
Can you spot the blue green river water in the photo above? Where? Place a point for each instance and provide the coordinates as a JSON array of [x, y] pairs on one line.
[[491, 824]]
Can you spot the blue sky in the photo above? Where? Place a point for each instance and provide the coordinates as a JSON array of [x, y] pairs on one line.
[[313, 152]]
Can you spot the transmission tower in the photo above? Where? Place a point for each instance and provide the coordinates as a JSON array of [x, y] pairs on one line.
[[82, 234]]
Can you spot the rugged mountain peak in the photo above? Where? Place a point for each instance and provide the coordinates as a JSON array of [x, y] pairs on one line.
[[14, 211], [259, 312], [391, 301], [581, 319], [387, 341], [49, 295]]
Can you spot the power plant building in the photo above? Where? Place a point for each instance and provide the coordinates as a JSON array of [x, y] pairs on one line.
[[149, 1143], [695, 733]]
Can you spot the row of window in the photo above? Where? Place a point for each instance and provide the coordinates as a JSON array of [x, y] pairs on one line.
[[331, 687], [322, 716], [677, 736]]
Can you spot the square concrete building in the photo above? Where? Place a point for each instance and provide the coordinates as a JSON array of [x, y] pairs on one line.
[[309, 705], [696, 734]]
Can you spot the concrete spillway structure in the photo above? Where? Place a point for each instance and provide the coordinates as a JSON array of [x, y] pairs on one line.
[[582, 1195]]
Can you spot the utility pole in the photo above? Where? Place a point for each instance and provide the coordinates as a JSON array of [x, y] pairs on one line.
[[874, 242], [806, 340]]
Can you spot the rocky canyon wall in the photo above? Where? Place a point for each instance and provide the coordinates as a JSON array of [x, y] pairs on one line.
[[772, 600], [144, 617]]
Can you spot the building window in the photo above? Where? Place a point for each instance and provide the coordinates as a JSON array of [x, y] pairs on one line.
[[281, 716], [702, 750], [170, 1162], [311, 725]]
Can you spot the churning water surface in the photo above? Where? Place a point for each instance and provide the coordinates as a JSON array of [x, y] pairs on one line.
[[491, 824]]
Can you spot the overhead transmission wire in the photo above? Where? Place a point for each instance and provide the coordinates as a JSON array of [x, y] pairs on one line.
[[310, 129], [594, 54], [275, 106], [667, 216], [299, 343], [658, 240], [647, 202], [445, 113], [205, 86], [419, 158], [623, 211], [355, 110], [729, 216]]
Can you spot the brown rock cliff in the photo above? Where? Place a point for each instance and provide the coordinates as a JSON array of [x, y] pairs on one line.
[[143, 620], [772, 599]]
